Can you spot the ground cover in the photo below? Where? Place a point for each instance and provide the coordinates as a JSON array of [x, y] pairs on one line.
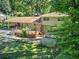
[[23, 50]]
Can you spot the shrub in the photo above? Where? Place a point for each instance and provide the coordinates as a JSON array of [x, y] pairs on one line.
[[19, 14], [24, 32]]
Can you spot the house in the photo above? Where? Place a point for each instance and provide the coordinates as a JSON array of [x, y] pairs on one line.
[[41, 23], [52, 19]]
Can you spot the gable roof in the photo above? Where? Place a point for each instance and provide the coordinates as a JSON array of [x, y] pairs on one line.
[[23, 19], [54, 14]]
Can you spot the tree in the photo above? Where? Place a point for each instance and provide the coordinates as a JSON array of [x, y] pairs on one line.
[[5, 6], [68, 33], [30, 7]]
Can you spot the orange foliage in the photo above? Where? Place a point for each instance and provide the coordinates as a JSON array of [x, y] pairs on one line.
[[31, 35]]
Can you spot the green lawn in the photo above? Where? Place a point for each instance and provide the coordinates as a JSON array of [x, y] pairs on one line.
[[22, 50]]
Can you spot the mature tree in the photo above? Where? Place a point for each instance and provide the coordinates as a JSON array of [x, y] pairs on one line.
[[30, 7], [5, 6], [69, 31]]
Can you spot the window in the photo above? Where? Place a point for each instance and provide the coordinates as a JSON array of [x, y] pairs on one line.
[[46, 19]]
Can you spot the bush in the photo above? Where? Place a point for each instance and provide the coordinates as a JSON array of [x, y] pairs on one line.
[[19, 14], [24, 32], [3, 25]]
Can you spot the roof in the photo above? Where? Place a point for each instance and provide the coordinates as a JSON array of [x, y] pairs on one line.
[[23, 19], [54, 14]]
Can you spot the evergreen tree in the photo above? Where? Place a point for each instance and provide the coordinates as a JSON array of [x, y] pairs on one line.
[[5, 6]]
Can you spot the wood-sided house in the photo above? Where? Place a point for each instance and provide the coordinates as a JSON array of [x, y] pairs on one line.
[[40, 23]]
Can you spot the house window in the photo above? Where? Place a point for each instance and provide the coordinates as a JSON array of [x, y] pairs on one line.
[[46, 19]]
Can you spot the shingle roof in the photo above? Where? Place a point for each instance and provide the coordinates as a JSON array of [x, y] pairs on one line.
[[23, 19], [54, 14]]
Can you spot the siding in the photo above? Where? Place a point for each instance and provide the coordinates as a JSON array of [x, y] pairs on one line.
[[51, 21]]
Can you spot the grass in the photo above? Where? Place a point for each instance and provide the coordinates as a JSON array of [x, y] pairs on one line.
[[20, 50]]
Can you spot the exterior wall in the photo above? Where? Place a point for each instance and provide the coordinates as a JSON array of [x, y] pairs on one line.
[[38, 27], [35, 26], [11, 24], [52, 21]]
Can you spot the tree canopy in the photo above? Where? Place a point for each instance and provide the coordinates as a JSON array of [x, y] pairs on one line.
[[27, 7]]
